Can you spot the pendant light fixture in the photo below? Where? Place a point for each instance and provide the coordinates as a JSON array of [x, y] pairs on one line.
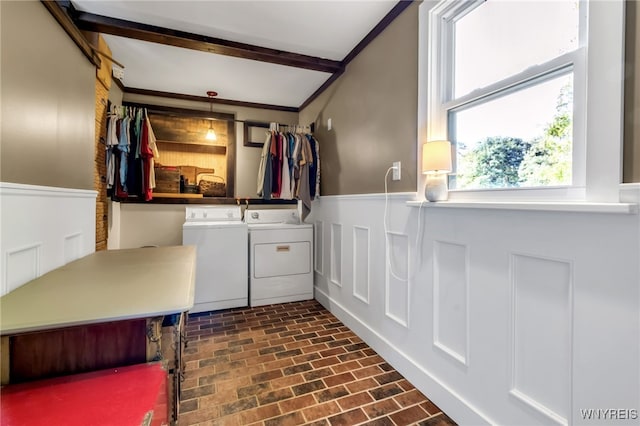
[[211, 134]]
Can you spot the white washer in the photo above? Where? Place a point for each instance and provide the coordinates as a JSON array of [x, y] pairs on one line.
[[280, 257], [221, 262]]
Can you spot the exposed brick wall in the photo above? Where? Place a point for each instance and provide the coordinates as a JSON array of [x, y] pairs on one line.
[[103, 83]]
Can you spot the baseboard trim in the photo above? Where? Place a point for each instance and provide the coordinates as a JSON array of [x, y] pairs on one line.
[[446, 398]]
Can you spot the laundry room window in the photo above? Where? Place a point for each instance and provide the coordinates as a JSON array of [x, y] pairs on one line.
[[507, 85]]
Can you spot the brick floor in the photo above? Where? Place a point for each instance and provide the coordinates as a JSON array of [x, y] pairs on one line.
[[292, 364]]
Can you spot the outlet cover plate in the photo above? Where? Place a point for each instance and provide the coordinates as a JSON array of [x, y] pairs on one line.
[[396, 171]]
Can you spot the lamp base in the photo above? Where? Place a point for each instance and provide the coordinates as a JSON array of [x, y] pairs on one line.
[[435, 188]]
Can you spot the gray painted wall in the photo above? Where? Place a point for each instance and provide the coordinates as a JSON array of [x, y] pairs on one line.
[[48, 101], [373, 109]]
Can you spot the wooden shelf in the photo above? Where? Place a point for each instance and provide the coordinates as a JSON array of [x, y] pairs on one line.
[[186, 199], [175, 195], [196, 147]]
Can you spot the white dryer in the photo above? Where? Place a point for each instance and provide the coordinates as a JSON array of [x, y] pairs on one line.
[[280, 257], [221, 239]]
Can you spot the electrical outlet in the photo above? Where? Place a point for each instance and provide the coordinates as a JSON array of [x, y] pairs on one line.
[[396, 170]]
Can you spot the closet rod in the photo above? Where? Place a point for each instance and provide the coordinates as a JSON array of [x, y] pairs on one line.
[[202, 114]]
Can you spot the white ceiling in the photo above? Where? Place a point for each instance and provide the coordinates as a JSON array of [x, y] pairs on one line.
[[327, 29]]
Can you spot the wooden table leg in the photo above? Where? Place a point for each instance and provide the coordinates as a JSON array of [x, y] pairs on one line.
[[5, 362]]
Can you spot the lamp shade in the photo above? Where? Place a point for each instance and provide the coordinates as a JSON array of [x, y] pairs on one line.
[[436, 157], [211, 135]]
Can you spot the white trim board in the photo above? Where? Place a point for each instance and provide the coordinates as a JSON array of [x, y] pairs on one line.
[[60, 222], [8, 188]]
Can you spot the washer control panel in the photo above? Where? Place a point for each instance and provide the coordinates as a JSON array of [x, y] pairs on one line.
[[213, 214]]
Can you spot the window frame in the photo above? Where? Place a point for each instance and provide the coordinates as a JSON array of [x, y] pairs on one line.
[[598, 113]]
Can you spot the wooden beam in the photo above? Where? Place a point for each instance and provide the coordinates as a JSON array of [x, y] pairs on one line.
[[117, 82], [56, 10], [206, 99], [161, 109], [120, 27], [320, 89], [375, 32]]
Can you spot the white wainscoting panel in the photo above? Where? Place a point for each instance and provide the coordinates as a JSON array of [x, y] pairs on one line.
[[72, 247], [22, 265], [336, 254], [43, 228], [535, 315], [361, 256], [541, 318], [450, 295], [319, 242], [397, 286]]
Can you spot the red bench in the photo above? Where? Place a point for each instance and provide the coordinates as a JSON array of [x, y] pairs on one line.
[[134, 395]]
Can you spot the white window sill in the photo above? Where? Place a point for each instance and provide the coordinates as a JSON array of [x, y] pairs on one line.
[[575, 207]]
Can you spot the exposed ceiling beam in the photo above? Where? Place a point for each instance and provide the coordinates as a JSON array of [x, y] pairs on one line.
[[119, 27], [145, 92], [57, 11], [375, 32]]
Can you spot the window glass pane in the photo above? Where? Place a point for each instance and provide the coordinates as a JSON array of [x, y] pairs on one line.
[[521, 139], [500, 38]]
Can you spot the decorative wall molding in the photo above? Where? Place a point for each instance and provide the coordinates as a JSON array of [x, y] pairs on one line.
[[397, 289], [550, 298], [21, 265], [451, 300], [361, 263], [319, 243], [43, 228], [541, 334], [72, 247], [336, 254]]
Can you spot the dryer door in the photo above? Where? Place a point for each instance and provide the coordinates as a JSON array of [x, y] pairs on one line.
[[281, 259]]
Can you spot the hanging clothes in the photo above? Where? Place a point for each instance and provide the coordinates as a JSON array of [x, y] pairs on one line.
[[289, 167], [262, 168], [134, 164], [317, 191], [276, 159], [295, 180], [268, 173], [285, 184], [148, 151], [313, 166], [131, 153], [291, 148], [304, 193], [123, 148], [154, 151], [111, 143]]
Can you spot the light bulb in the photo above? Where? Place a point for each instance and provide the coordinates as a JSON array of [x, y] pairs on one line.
[[211, 135]]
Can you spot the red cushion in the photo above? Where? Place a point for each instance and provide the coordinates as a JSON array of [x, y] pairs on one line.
[[114, 397]]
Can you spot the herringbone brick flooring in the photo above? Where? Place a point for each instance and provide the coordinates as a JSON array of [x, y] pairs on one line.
[[292, 364]]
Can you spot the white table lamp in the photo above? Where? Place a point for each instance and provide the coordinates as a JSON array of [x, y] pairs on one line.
[[436, 164]]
